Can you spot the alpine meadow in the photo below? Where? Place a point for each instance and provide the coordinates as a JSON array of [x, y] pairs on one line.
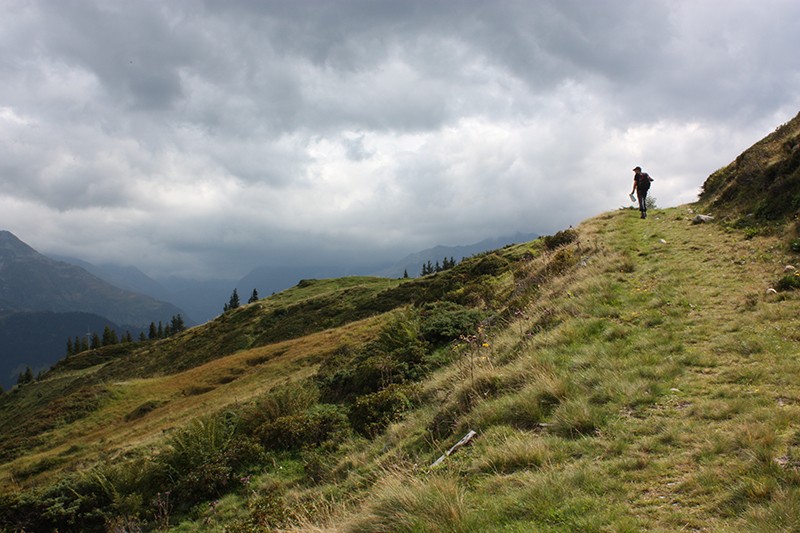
[[622, 375]]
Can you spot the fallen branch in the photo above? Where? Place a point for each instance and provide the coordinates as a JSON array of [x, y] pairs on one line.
[[464, 441]]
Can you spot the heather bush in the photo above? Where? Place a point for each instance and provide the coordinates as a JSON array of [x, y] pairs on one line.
[[442, 322], [316, 426], [372, 413]]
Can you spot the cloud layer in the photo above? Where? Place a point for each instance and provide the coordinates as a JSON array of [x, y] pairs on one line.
[[205, 138]]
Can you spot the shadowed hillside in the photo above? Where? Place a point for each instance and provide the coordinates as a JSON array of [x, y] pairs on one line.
[[762, 185], [625, 375]]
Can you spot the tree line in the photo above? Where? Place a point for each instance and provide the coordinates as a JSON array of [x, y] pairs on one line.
[[429, 268], [93, 341]]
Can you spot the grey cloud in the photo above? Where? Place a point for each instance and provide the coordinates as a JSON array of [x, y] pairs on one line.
[[210, 135]]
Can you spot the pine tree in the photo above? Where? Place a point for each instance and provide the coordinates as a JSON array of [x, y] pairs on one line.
[[70, 349], [253, 297], [160, 331], [109, 336], [405, 274], [233, 303], [142, 337], [176, 324], [95, 342], [25, 377], [152, 333]]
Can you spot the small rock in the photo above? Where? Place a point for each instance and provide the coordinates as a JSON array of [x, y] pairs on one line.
[[662, 241], [771, 291], [700, 219], [789, 268]]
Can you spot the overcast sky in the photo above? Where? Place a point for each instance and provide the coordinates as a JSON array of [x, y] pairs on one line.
[[205, 138]]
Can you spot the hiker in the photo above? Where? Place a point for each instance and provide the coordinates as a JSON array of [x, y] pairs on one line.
[[641, 184]]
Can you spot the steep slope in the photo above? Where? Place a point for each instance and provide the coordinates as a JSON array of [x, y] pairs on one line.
[[763, 184]]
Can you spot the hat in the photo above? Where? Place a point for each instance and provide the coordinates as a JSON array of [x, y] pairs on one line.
[[637, 169]]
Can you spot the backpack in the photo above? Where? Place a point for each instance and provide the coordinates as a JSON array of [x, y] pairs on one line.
[[643, 182]]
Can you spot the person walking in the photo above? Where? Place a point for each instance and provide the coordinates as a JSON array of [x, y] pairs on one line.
[[641, 184]]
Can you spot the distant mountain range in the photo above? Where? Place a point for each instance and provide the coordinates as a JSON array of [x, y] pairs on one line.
[[43, 302]]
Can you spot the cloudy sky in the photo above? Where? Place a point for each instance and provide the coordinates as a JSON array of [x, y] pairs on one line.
[[203, 138]]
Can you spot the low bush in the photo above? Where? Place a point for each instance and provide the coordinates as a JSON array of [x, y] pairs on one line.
[[397, 355], [561, 238], [443, 322], [283, 400], [789, 282], [316, 426], [371, 414]]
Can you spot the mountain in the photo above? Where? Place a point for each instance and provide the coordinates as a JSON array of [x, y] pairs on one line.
[[29, 281], [622, 375], [44, 302], [37, 339], [128, 278]]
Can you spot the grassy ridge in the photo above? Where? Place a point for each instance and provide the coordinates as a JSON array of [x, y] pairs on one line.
[[634, 376]]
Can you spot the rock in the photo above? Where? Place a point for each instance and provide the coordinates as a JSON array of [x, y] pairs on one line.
[[701, 219], [771, 291], [662, 241], [789, 268]]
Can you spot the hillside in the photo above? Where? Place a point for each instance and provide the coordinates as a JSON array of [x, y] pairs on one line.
[[762, 186], [625, 375]]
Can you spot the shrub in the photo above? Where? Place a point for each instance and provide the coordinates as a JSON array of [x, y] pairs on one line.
[[397, 355], [445, 321], [789, 282], [203, 460], [283, 400], [488, 265], [317, 425], [561, 238], [372, 413]]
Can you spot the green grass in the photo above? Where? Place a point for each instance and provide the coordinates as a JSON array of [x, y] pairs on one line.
[[640, 377]]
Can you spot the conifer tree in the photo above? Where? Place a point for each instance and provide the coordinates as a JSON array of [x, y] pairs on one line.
[[153, 333], [70, 349], [142, 337], [95, 342], [25, 377], [233, 303], [109, 336], [405, 274], [253, 297], [176, 324]]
